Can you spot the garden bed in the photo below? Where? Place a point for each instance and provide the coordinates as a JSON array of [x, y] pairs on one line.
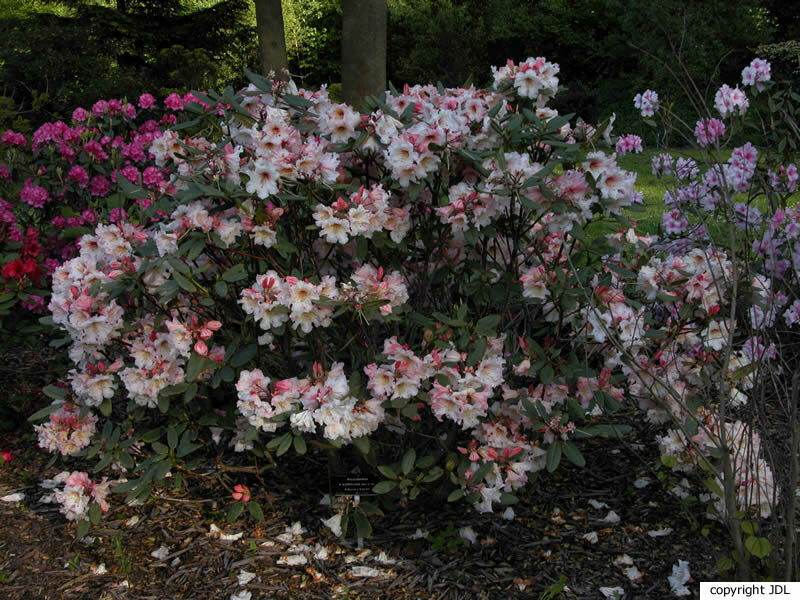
[[40, 557]]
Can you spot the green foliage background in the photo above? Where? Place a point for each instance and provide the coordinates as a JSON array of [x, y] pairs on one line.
[[58, 54]]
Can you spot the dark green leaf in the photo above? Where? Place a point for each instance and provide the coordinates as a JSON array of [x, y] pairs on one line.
[[362, 524], [407, 462], [244, 356], [255, 511], [236, 273], [387, 471], [553, 456], [54, 392], [384, 487], [82, 529], [235, 510], [573, 454], [45, 412], [456, 494], [477, 352]]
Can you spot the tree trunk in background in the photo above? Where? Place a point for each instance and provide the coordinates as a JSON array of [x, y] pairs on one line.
[[269, 24], [363, 49]]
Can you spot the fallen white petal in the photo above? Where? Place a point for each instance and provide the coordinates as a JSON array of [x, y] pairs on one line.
[[597, 505], [468, 534], [321, 553], [612, 592], [680, 575], [632, 573], [296, 529], [245, 577], [18, 497], [293, 560], [508, 514], [623, 559], [214, 531], [642, 482], [241, 595], [161, 553], [419, 534], [334, 524], [175, 562], [660, 532], [100, 569], [384, 559], [231, 537], [611, 517], [132, 521], [364, 572], [590, 537]]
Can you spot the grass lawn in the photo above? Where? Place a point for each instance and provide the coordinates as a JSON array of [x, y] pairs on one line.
[[649, 218], [649, 185]]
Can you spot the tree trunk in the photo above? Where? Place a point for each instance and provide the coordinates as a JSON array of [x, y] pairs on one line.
[[363, 49], [269, 24]]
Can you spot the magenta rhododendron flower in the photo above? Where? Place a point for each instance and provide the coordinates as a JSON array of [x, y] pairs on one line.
[[80, 115], [173, 102], [12, 138], [34, 195], [146, 101]]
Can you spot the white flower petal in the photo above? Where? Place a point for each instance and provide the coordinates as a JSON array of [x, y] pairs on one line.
[[293, 560], [245, 577], [623, 559], [364, 572], [611, 517], [590, 537], [612, 592], [632, 573], [660, 532], [468, 534]]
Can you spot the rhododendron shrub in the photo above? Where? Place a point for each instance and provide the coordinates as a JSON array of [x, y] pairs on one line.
[[62, 182], [713, 349], [307, 276]]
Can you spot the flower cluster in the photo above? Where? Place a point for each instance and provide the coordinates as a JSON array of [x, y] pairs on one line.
[[67, 173], [77, 493], [535, 78], [647, 103], [757, 73], [323, 400], [629, 143], [731, 101], [365, 212], [709, 131], [67, 431]]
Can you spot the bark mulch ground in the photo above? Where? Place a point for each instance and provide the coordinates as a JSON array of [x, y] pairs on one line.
[[40, 557], [416, 550]]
